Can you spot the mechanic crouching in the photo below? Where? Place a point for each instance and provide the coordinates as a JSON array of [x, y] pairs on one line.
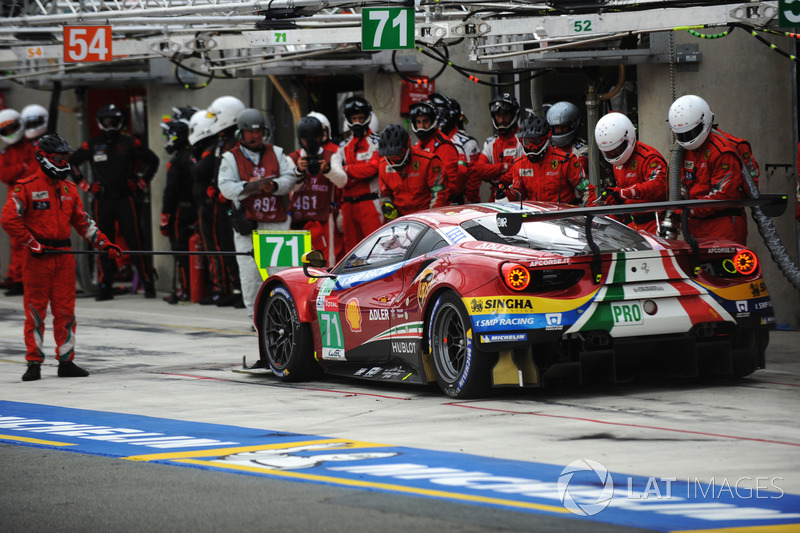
[[40, 212], [258, 178]]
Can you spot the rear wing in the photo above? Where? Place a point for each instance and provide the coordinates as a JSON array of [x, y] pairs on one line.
[[772, 205]]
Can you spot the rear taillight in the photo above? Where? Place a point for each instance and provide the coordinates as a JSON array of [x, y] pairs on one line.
[[745, 262], [515, 276]]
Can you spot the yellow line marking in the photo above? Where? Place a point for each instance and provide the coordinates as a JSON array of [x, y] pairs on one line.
[[783, 528], [35, 441], [345, 444], [383, 486]]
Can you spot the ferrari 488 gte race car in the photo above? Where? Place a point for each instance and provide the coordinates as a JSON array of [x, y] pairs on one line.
[[499, 294]]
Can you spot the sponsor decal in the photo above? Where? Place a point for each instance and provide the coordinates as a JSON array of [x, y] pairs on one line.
[[553, 319], [627, 313], [487, 305], [352, 312], [526, 172], [456, 234], [548, 262], [688, 165], [634, 164], [415, 165], [333, 354], [348, 281], [554, 164], [40, 205], [377, 314], [467, 362], [507, 337], [648, 288], [495, 246], [399, 347], [510, 152], [331, 304], [505, 322], [741, 306], [725, 166], [40, 195], [721, 250], [424, 286]]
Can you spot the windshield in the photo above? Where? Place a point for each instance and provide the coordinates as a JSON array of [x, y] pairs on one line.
[[565, 236]]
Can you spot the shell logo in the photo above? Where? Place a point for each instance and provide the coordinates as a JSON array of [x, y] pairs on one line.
[[352, 313]]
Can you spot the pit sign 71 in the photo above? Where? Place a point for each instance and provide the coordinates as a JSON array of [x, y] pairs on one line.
[[87, 43]]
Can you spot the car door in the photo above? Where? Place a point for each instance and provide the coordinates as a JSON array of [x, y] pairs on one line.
[[355, 310]]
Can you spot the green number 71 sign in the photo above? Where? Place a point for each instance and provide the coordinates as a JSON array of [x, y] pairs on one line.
[[279, 248], [387, 28]]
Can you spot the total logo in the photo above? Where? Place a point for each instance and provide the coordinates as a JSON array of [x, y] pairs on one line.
[[589, 498]]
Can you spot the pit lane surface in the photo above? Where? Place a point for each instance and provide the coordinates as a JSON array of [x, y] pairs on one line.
[[174, 368]]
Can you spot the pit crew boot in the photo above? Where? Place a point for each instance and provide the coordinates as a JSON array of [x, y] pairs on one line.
[[106, 293], [68, 369], [16, 289], [33, 373], [149, 290]]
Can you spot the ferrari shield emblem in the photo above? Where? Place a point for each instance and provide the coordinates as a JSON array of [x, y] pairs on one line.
[[415, 165], [554, 164]]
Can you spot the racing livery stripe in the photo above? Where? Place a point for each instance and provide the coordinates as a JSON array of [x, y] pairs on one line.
[[536, 488], [618, 268], [743, 291], [671, 267]]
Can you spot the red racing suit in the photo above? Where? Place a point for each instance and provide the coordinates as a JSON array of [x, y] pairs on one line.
[[45, 209], [417, 186], [17, 162], [468, 151], [713, 171], [361, 210], [557, 177], [455, 175], [499, 153], [644, 176]]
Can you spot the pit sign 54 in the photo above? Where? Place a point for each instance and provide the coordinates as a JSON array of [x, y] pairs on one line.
[[87, 44]]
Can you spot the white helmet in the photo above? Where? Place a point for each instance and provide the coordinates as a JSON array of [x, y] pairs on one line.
[[11, 130], [224, 111], [326, 124], [690, 119], [200, 127], [615, 137], [34, 120]]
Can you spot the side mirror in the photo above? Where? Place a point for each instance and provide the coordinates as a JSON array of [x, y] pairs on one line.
[[316, 259]]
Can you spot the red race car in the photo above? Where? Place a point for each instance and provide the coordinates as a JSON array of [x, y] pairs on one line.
[[498, 295]]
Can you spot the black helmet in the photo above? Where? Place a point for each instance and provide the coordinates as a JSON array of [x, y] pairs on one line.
[[110, 118], [357, 105], [423, 109], [448, 117], [534, 136], [177, 134], [309, 128], [395, 145], [506, 103], [184, 113], [52, 153]]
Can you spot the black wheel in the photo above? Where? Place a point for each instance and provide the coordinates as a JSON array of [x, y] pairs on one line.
[[287, 343], [461, 370]]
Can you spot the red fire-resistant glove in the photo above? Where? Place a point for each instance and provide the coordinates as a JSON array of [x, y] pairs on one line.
[[35, 246], [165, 224], [93, 188], [113, 251]]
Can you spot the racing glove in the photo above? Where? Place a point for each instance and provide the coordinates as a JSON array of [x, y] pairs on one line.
[[93, 188], [389, 210], [113, 251], [621, 195], [36, 247], [164, 228]]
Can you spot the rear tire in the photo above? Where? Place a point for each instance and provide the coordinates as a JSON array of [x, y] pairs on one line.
[[287, 342], [461, 370], [749, 349]]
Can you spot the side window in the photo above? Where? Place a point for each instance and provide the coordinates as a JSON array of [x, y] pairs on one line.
[[388, 245], [429, 242]]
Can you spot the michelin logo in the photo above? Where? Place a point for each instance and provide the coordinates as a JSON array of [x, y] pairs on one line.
[[504, 338]]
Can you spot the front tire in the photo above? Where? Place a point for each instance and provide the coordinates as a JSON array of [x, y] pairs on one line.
[[461, 370], [287, 342]]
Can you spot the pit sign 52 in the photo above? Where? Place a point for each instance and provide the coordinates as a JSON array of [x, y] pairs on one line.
[[87, 44]]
